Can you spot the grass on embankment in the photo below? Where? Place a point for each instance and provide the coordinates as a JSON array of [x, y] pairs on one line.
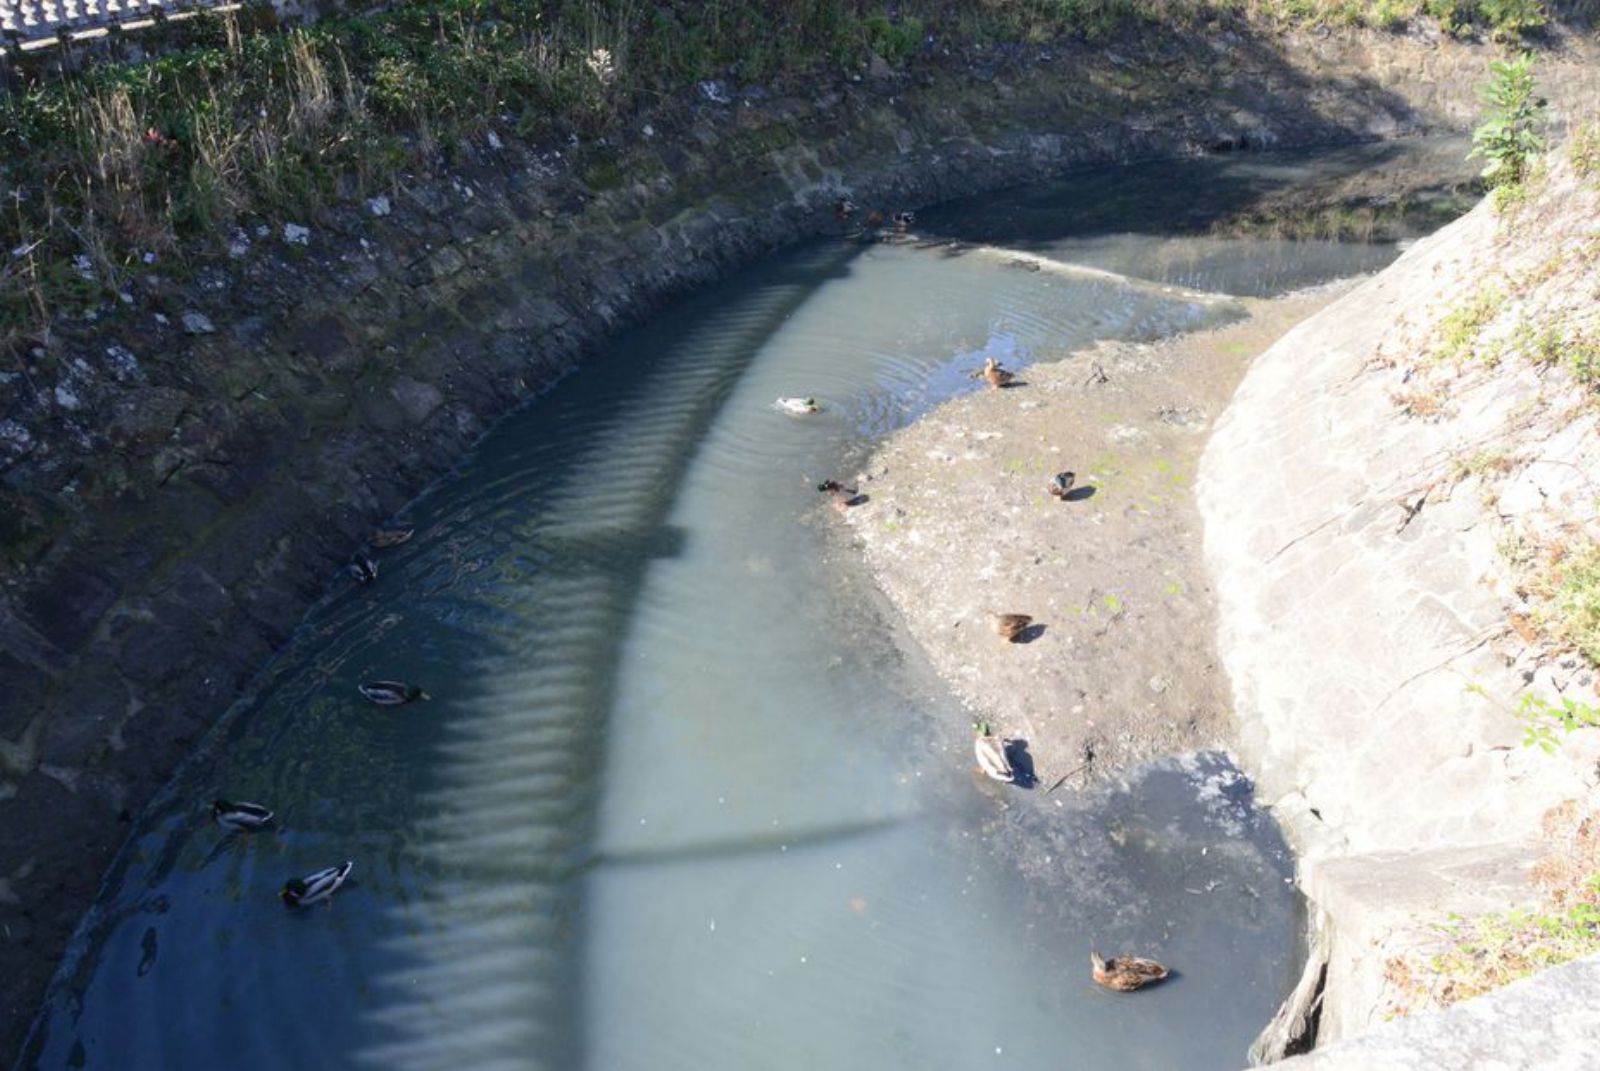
[[105, 167], [1478, 955]]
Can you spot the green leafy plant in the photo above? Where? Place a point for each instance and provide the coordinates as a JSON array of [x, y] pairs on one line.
[[1541, 718], [1509, 137], [894, 41], [1509, 19]]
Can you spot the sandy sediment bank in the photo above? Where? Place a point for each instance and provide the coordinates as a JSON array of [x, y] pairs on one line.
[[1123, 665]]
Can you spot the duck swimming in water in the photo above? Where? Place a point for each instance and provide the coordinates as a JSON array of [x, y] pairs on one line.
[[313, 888], [991, 754], [1125, 973], [1061, 484], [798, 406], [239, 817], [363, 568], [1009, 626], [391, 693], [385, 538]]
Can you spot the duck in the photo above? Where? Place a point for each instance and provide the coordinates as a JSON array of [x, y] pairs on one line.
[[996, 376], [844, 208], [798, 406], [363, 568], [1125, 973], [874, 220], [843, 497], [1061, 484], [1009, 626], [903, 221], [991, 754], [391, 693], [240, 817], [313, 888], [384, 538]]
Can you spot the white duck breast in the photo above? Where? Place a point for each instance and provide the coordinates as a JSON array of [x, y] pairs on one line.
[[991, 755], [314, 888], [239, 816], [390, 693]]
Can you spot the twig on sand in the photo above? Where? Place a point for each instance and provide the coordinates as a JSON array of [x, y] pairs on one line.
[[1063, 778]]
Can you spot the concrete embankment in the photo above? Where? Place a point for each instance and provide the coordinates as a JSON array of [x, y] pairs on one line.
[[1374, 499]]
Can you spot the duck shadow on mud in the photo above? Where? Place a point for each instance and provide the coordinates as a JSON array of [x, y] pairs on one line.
[[1021, 763], [1029, 634]]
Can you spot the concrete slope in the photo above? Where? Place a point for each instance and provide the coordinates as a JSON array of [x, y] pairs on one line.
[[1359, 497]]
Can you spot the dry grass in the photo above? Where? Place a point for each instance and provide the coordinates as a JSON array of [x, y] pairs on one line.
[[1482, 954]]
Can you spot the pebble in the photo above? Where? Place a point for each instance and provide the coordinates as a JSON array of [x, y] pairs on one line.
[[379, 206], [197, 323], [295, 234]]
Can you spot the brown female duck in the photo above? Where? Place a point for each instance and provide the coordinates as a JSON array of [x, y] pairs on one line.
[[1125, 973], [1009, 626], [996, 376]]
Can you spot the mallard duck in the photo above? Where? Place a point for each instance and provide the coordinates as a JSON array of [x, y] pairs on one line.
[[240, 817], [991, 754], [1009, 626], [363, 568], [384, 538], [798, 406], [303, 892], [843, 497], [1061, 484], [996, 376], [903, 221], [1125, 973], [391, 693]]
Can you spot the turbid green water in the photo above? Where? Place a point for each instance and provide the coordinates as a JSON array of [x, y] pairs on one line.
[[683, 798]]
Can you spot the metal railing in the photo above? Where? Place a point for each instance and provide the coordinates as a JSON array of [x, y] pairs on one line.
[[30, 24]]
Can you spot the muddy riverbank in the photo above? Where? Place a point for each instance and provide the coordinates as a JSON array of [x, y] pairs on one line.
[[1121, 665]]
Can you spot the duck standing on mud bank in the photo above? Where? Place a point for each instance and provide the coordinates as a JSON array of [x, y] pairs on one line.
[[995, 375], [841, 496], [990, 752], [1008, 626]]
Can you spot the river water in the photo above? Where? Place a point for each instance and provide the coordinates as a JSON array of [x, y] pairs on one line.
[[684, 796]]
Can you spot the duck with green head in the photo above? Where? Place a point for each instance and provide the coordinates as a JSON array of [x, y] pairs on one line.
[[990, 752], [391, 693]]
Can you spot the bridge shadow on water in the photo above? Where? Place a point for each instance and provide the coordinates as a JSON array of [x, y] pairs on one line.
[[459, 938]]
